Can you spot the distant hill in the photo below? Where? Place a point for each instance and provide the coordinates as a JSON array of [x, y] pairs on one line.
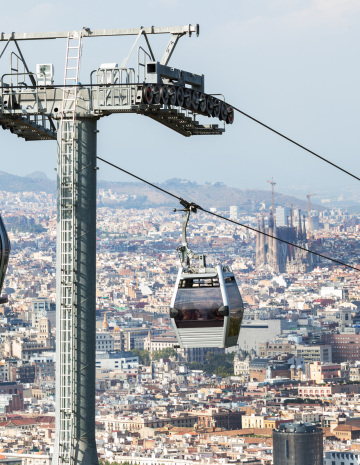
[[37, 175], [35, 182], [208, 195]]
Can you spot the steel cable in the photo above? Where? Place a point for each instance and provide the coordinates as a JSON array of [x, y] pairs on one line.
[[297, 144], [181, 200]]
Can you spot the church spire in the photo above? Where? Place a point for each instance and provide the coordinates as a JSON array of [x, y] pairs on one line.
[[262, 241], [105, 324], [257, 260], [299, 226], [304, 229], [271, 221]]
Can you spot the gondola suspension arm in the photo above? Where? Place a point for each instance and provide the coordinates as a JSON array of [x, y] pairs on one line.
[[185, 253]]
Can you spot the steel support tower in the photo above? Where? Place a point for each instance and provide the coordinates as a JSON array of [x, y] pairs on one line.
[[33, 108], [75, 306]]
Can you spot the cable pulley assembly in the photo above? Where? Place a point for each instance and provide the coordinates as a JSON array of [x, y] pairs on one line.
[[189, 99]]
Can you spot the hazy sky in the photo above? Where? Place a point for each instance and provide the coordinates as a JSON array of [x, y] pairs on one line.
[[294, 64]]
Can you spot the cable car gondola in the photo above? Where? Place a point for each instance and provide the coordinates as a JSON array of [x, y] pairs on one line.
[[206, 308], [4, 256]]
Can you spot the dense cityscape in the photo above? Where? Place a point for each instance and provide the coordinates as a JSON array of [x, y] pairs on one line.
[[297, 359], [179, 233]]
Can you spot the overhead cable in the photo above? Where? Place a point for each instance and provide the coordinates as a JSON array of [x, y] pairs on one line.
[[140, 179], [182, 201], [297, 144], [105, 85]]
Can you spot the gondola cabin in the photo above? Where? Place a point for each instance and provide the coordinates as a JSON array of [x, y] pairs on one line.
[[4, 256], [206, 308]]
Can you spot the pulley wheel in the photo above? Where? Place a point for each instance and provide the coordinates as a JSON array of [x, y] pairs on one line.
[[209, 105], [180, 96], [156, 92], [202, 102], [187, 98], [164, 95], [223, 111], [230, 115], [148, 94], [216, 111], [195, 100], [172, 95]]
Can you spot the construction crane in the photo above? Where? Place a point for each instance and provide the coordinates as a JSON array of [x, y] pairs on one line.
[[309, 218], [34, 108], [272, 194]]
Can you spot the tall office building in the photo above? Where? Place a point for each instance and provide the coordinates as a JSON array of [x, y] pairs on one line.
[[315, 222], [234, 212], [283, 216], [298, 444]]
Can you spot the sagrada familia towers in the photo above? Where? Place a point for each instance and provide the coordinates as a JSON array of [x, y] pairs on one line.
[[280, 257]]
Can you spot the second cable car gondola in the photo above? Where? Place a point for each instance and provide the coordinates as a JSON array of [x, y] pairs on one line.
[[206, 308], [4, 256]]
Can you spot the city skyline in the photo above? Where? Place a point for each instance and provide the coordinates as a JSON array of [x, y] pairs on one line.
[[328, 197]]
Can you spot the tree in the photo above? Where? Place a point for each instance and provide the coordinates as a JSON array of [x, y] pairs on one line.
[[144, 356], [217, 364], [164, 353]]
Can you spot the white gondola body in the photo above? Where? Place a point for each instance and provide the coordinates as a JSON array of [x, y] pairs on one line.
[[206, 308]]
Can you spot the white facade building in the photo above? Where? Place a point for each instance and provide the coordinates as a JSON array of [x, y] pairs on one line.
[[255, 331], [104, 342], [342, 458], [117, 361]]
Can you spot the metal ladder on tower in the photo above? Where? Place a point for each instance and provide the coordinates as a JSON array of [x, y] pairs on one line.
[[68, 199]]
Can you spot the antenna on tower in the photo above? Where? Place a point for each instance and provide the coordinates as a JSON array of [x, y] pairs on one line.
[[272, 194]]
